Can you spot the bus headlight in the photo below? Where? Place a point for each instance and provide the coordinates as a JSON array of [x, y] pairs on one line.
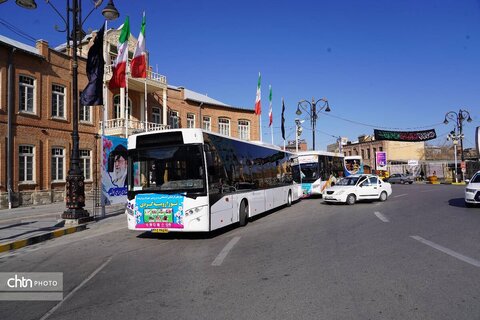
[[193, 211]]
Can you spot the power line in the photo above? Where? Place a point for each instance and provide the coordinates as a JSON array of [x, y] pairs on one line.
[[380, 127], [17, 31]]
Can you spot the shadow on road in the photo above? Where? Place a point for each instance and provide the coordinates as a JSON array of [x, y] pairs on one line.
[[457, 202]]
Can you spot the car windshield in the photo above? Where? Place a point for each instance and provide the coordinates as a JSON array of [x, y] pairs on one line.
[[347, 181], [476, 178], [169, 169]]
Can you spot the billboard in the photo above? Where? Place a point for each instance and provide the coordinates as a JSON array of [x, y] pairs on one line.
[[381, 160], [114, 169], [477, 141]]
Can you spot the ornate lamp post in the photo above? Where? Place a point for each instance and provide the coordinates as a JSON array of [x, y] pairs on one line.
[[311, 109], [458, 117], [75, 180]]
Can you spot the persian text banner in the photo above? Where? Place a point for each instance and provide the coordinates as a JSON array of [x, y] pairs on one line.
[[411, 136]]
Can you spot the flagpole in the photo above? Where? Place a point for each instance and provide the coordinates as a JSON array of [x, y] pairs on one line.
[[104, 120], [271, 132], [126, 98], [146, 107], [260, 123]]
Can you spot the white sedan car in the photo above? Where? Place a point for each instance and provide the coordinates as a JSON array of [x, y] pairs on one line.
[[472, 191], [358, 187]]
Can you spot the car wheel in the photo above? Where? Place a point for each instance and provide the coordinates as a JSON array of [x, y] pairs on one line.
[[351, 199], [410, 182], [383, 196], [402, 182]]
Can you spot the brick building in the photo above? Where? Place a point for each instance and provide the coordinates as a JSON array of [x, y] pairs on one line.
[[36, 86], [367, 146]]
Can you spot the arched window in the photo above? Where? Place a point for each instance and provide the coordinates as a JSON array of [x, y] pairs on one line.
[[117, 112], [224, 126], [244, 129], [157, 115]]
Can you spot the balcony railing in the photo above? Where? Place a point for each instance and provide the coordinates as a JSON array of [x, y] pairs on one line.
[[150, 75], [116, 127]]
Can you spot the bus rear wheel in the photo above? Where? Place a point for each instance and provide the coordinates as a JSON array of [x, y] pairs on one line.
[[243, 213], [289, 198]]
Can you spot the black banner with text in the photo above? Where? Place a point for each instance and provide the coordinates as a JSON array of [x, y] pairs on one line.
[[410, 136]]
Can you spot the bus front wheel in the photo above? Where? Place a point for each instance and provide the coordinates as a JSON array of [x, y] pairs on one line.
[[243, 213], [289, 198]]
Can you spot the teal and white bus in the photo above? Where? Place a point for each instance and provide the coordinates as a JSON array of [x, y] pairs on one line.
[[317, 170], [194, 180]]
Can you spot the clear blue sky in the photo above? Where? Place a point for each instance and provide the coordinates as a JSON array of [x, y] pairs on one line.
[[385, 64]]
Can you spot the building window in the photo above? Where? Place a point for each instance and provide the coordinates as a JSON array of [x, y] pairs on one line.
[[58, 164], [380, 148], [58, 101], [363, 153], [244, 129], [174, 120], [25, 163], [117, 108], [368, 153], [375, 152], [224, 126], [190, 120], [156, 115], [207, 123], [27, 94], [85, 114], [86, 164]]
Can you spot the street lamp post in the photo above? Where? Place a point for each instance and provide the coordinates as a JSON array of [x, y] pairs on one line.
[[458, 118], [75, 189], [452, 136], [298, 132], [311, 109]]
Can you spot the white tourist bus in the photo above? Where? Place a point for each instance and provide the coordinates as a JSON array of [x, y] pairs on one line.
[[317, 170], [194, 180]]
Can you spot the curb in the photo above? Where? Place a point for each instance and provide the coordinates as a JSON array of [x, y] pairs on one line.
[[17, 244]]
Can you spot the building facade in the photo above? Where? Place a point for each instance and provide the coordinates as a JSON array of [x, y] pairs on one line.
[[367, 146], [36, 117]]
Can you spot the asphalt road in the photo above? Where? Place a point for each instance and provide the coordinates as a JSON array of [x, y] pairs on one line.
[[415, 256]]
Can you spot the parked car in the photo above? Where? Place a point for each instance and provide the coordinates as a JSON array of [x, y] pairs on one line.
[[358, 187], [400, 178], [472, 191]]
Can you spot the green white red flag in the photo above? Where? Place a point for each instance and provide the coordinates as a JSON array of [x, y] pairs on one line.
[[258, 103], [138, 67], [120, 65], [270, 112]]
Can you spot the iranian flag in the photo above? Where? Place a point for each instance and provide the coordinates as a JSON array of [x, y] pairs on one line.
[[270, 112], [138, 67], [258, 103], [120, 65]]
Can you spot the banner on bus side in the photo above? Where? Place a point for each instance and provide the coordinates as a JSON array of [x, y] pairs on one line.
[[159, 211]]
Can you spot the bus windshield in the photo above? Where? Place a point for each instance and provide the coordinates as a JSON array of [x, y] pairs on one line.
[[167, 169], [308, 172]]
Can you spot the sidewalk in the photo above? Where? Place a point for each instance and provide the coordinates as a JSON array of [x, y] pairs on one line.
[[28, 225]]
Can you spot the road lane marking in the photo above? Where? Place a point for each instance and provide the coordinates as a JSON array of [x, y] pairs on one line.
[[51, 311], [401, 195], [452, 253], [381, 217], [219, 259]]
